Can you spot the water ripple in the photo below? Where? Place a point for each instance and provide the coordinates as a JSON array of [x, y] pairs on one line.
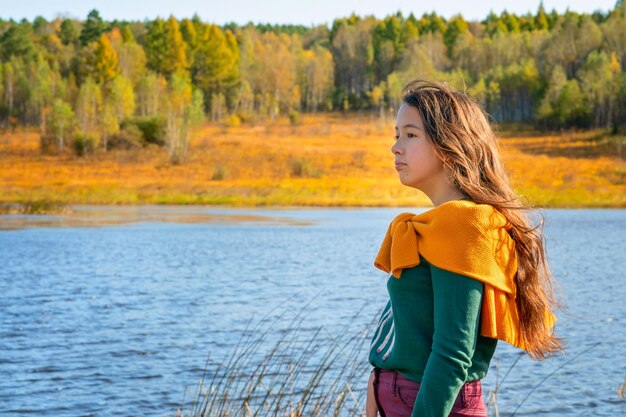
[[121, 319]]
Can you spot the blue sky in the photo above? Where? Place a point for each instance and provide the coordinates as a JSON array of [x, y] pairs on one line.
[[305, 12]]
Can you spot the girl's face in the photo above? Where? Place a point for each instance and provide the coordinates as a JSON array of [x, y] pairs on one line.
[[417, 163]]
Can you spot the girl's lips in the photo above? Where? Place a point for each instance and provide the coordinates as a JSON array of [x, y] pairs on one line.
[[400, 165]]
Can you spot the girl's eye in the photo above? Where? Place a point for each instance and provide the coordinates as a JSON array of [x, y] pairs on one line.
[[408, 135]]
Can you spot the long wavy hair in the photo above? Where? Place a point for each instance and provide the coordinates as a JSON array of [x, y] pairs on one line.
[[466, 144]]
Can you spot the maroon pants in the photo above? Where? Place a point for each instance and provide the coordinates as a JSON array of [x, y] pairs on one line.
[[395, 396]]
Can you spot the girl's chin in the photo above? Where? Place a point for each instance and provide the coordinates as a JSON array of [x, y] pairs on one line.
[[409, 184]]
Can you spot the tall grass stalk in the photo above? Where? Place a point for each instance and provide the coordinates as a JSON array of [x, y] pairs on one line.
[[492, 396], [298, 375]]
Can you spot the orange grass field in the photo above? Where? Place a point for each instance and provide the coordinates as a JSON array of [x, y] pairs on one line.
[[326, 160]]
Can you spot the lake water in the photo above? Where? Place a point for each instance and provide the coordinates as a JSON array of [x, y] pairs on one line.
[[113, 311]]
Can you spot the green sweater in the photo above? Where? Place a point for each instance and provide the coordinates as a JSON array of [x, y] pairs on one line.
[[429, 333]]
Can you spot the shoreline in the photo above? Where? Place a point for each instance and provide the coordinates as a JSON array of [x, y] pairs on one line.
[[56, 208]]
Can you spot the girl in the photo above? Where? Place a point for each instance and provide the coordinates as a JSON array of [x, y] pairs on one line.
[[464, 274]]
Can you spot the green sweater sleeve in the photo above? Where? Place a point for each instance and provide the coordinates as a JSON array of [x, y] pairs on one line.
[[456, 310]]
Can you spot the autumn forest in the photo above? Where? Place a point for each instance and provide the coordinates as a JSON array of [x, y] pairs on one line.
[[92, 86]]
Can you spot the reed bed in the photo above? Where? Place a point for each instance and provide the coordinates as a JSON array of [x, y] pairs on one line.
[[311, 371], [298, 375]]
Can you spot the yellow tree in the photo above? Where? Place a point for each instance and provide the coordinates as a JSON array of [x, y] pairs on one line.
[[150, 90], [131, 56], [119, 103], [317, 77], [276, 84], [190, 36], [42, 82], [244, 101], [184, 111], [176, 61], [122, 96], [88, 106], [216, 62], [61, 121], [105, 61], [165, 47]]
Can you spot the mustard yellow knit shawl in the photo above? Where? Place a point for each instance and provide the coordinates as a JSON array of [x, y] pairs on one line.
[[469, 239]]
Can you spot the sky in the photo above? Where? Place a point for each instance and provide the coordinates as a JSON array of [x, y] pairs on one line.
[[305, 12]]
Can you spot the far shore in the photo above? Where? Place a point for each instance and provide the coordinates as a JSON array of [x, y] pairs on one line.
[[325, 160]]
